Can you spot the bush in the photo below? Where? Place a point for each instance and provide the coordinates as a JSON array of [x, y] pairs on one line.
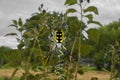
[[81, 71]]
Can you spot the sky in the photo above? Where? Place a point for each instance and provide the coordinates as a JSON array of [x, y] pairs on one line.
[[109, 10]]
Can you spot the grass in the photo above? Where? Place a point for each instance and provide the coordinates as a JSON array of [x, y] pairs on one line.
[[6, 78], [88, 68]]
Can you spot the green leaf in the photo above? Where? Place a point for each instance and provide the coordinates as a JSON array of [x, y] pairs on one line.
[[74, 25], [21, 45], [85, 49], [27, 42], [91, 9], [13, 25], [89, 16], [71, 10], [20, 23], [11, 34], [17, 39], [70, 2], [93, 35], [95, 22], [14, 22], [114, 33], [27, 34], [20, 29]]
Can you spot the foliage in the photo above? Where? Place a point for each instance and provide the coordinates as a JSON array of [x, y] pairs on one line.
[[34, 48], [80, 71], [115, 61], [70, 2], [4, 51], [77, 26], [109, 34]]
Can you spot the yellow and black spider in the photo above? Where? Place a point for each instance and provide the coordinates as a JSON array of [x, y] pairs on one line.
[[58, 38]]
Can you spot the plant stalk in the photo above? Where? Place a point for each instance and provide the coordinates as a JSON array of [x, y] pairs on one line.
[[80, 40], [70, 63]]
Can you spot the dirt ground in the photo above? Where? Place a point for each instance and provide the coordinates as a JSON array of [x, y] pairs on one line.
[[99, 74], [87, 76]]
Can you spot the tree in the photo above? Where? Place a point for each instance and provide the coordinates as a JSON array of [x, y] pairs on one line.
[[109, 34], [4, 51]]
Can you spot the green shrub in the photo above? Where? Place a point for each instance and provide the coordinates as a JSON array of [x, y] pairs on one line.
[[80, 71]]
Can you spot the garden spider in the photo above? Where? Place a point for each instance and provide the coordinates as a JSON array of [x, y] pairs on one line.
[[57, 37]]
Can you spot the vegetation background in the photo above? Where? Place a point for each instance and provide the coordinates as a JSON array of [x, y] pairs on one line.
[[37, 56]]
